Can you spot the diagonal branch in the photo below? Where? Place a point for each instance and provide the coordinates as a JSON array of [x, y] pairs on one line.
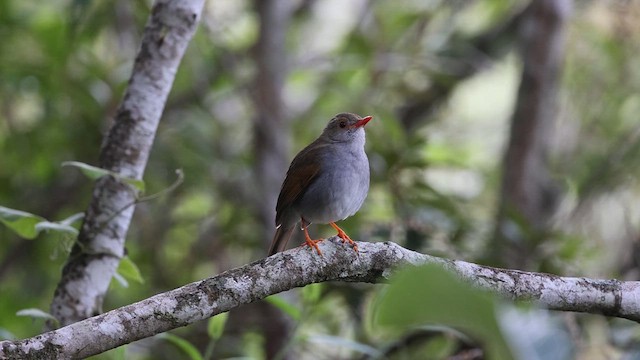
[[299, 267], [96, 255]]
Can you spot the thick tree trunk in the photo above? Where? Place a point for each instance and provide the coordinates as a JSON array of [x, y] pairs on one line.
[[100, 246], [529, 196]]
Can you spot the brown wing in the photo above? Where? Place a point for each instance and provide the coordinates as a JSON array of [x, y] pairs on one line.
[[302, 172]]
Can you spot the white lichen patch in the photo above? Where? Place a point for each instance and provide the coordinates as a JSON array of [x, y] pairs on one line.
[[112, 329], [164, 305], [236, 286]]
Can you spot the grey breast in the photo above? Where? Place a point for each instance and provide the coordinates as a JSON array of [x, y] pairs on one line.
[[341, 187]]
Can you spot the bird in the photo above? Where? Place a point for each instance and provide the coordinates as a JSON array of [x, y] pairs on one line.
[[327, 181]]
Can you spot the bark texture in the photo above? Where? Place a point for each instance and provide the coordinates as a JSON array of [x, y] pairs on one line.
[[529, 196], [299, 267], [125, 150]]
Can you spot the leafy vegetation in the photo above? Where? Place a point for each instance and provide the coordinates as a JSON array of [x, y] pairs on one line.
[[441, 112]]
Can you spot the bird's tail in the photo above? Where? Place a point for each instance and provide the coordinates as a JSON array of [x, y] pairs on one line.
[[280, 239]]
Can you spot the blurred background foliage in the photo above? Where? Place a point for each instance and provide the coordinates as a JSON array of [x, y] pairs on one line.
[[441, 80]]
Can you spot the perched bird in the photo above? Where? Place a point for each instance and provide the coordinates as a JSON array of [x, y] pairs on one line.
[[326, 182]]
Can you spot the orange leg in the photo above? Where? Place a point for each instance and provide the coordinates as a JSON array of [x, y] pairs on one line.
[[308, 241], [343, 235]]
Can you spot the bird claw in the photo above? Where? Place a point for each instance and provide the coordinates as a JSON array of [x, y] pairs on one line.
[[313, 244], [346, 239]]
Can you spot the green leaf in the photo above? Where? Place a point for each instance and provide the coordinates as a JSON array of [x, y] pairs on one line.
[[138, 184], [183, 345], [432, 295], [73, 218], [28, 225], [285, 306], [47, 225], [36, 314], [21, 222], [216, 324], [120, 280], [129, 270], [94, 173]]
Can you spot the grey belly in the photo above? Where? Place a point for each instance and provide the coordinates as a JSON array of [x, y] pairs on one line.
[[334, 196]]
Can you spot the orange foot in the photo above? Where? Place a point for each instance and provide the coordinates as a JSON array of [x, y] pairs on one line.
[[314, 244], [309, 241], [345, 238]]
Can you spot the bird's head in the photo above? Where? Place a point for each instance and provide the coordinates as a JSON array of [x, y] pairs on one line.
[[346, 127]]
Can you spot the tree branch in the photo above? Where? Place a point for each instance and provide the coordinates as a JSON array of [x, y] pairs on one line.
[[299, 267], [96, 255]]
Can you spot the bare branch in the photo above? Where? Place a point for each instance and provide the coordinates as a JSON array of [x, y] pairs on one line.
[[299, 267], [96, 255]]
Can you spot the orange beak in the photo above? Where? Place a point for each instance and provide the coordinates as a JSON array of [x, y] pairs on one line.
[[363, 121]]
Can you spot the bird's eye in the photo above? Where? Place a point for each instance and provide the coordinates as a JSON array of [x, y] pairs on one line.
[[343, 124]]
